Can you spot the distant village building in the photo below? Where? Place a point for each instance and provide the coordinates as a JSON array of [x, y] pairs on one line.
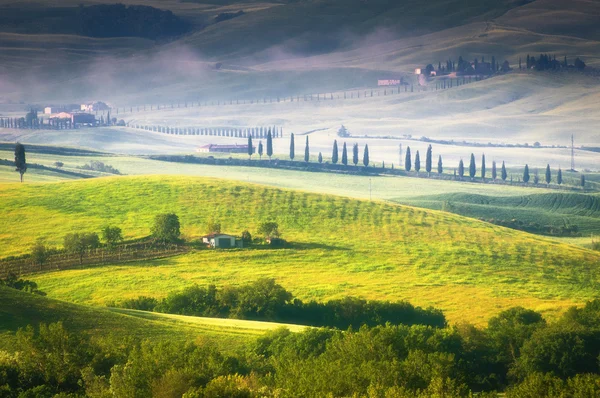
[[76, 119], [222, 241], [54, 109], [225, 148], [95, 107], [418, 71]]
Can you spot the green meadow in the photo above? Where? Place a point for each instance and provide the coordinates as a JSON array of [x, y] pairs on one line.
[[338, 247]]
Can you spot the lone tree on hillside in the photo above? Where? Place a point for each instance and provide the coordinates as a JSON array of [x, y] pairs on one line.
[[407, 159], [440, 165], [472, 167], [417, 163], [40, 253], [344, 155], [582, 181], [461, 169], [559, 177], [166, 228], [483, 170], [548, 175], [250, 148], [260, 150], [355, 154], [366, 156], [320, 158], [79, 243], [494, 171], [428, 160], [292, 147], [112, 236], [20, 163], [269, 230], [269, 144], [503, 173], [334, 154], [306, 151], [526, 174]]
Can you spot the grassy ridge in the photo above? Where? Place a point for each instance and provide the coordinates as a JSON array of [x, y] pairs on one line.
[[341, 247]]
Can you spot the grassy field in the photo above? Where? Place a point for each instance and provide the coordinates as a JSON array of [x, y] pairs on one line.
[[340, 247], [18, 310]]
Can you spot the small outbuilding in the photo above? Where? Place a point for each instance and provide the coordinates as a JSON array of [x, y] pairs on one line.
[[222, 241]]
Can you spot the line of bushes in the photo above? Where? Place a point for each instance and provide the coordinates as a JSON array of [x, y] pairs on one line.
[[265, 300]]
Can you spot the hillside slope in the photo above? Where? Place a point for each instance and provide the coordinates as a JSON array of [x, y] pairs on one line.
[[338, 246]]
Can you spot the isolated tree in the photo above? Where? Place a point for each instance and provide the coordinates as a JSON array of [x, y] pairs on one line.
[[306, 151], [269, 144], [483, 170], [79, 243], [292, 147], [494, 171], [260, 150], [559, 180], [417, 162], [250, 147], [320, 158], [269, 230], [503, 173], [582, 181], [355, 154], [472, 167], [428, 160], [440, 165], [548, 175], [20, 162], [366, 156], [40, 253], [536, 177], [526, 174], [112, 236], [461, 169], [345, 155], [166, 228], [334, 154], [407, 159]]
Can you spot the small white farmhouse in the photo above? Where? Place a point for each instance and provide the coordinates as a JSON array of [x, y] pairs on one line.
[[222, 241]]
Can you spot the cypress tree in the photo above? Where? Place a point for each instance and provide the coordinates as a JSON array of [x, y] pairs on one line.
[[355, 154], [483, 167], [472, 167], [260, 149], [526, 174], [461, 169], [428, 160], [306, 151], [366, 156], [548, 174], [440, 165], [20, 162], [292, 147], [407, 160], [559, 177], [320, 157], [250, 148], [494, 171], [417, 163], [582, 181], [334, 154], [269, 144], [503, 172], [345, 155]]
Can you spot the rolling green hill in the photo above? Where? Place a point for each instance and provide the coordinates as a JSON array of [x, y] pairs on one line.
[[339, 247]]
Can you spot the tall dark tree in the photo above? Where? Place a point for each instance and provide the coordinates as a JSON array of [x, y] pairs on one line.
[[292, 147], [582, 181], [428, 160], [366, 156], [494, 171], [20, 162], [306, 151], [334, 154], [526, 174], [345, 155], [461, 169], [260, 149], [166, 228], [472, 167], [483, 170], [440, 165], [559, 180], [407, 159], [548, 175], [503, 173], [269, 144], [417, 162], [250, 147], [355, 154], [320, 158]]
